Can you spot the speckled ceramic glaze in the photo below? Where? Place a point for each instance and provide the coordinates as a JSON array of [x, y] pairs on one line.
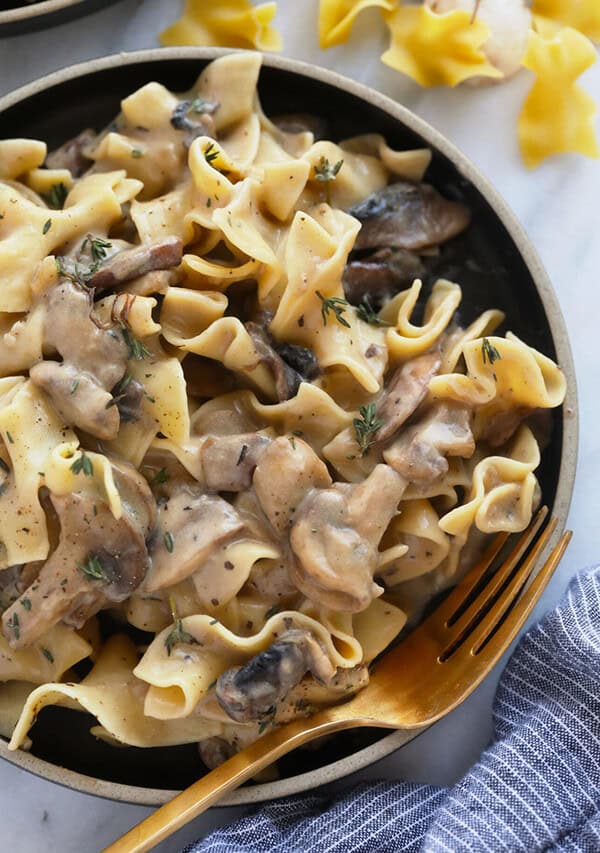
[[496, 266], [27, 17]]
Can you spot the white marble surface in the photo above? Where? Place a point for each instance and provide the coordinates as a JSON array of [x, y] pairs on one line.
[[558, 204]]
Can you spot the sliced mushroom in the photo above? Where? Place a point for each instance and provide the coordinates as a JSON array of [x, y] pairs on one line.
[[71, 155], [127, 396], [379, 276], [300, 359], [406, 390], [214, 751], [77, 397], [408, 216], [69, 330], [302, 123], [248, 693], [194, 117], [190, 527], [100, 560], [419, 454], [132, 263], [287, 380], [500, 427], [335, 538], [286, 472], [228, 461]]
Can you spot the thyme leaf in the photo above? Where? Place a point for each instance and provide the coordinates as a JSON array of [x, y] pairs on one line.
[[367, 313], [169, 541], [135, 348], [177, 634], [94, 569], [337, 306], [366, 426], [489, 352], [83, 463], [325, 173], [56, 196]]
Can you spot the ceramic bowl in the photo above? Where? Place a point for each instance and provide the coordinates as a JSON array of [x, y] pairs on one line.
[[493, 261], [18, 17]]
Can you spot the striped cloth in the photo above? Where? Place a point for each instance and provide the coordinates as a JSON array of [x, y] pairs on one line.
[[536, 788]]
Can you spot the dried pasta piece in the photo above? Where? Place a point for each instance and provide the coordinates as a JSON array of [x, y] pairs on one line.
[[582, 15], [503, 492], [407, 340], [230, 23], [558, 115], [336, 18], [46, 660], [437, 50]]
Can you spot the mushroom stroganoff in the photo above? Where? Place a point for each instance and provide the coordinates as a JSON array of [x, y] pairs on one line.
[[233, 461]]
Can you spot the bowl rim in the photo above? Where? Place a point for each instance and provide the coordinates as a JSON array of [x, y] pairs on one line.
[[435, 139], [36, 10]]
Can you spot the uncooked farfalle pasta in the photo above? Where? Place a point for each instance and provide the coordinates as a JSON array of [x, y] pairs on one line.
[[222, 424]]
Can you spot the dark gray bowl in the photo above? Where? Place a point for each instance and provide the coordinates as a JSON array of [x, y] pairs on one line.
[[493, 261], [18, 17]]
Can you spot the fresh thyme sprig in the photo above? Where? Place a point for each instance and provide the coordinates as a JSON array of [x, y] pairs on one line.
[[334, 304], [211, 153], [135, 348], [367, 313], [325, 173], [94, 569], [98, 247], [177, 634], [366, 426], [80, 275], [83, 463], [56, 196], [489, 352]]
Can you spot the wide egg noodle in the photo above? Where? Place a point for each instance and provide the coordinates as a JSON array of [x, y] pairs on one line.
[[46, 660], [179, 680], [31, 430], [503, 491], [113, 694]]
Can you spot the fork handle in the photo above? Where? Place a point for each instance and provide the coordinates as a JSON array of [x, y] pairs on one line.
[[206, 791]]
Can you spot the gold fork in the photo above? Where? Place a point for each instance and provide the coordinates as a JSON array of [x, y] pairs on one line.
[[420, 680]]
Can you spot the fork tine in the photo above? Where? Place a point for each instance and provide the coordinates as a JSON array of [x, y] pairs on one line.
[[474, 612], [510, 596], [480, 641], [449, 611]]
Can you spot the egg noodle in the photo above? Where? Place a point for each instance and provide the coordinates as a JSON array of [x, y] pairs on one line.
[[233, 418]]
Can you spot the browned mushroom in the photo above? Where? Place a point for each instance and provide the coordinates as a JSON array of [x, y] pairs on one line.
[[249, 692], [499, 427], [71, 155], [335, 538], [99, 561], [405, 391], [228, 461], [77, 397], [132, 263], [286, 472], [408, 216], [70, 331], [302, 123], [289, 364], [190, 527], [380, 275], [419, 453], [194, 117]]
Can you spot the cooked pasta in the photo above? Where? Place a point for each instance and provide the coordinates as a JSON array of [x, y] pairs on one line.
[[233, 418]]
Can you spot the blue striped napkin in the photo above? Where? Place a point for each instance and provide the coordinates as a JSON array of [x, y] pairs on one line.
[[536, 788]]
